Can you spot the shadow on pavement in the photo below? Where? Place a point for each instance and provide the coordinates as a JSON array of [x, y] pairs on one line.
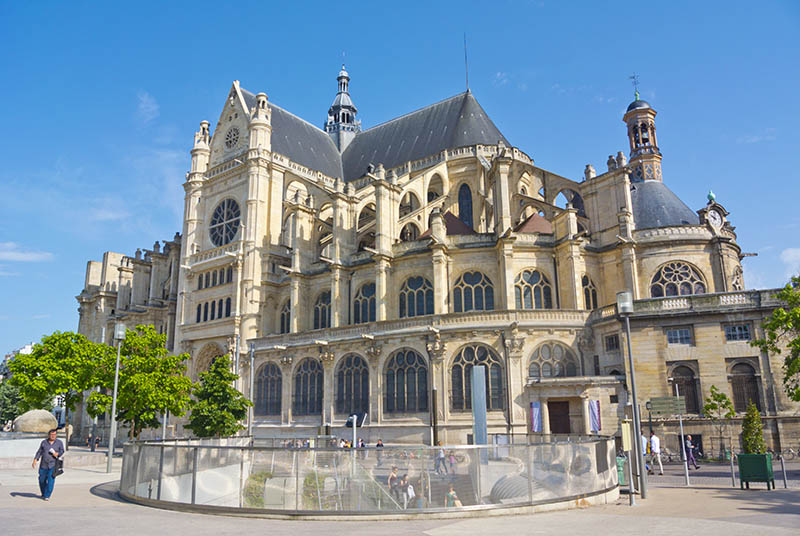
[[108, 490], [25, 495], [780, 501]]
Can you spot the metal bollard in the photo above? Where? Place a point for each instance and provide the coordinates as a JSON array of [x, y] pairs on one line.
[[783, 468], [733, 474], [631, 480]]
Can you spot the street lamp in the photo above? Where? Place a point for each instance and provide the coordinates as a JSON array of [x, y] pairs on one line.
[[119, 336], [625, 309]]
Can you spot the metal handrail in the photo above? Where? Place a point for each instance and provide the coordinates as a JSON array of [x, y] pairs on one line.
[[379, 485]]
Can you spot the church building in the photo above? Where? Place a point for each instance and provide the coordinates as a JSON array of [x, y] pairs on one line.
[[368, 271]]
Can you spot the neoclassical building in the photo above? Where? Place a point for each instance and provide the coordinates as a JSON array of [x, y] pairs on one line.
[[368, 270]]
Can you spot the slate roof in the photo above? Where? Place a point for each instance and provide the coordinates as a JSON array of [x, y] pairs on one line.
[[535, 224], [455, 122], [452, 226], [654, 205]]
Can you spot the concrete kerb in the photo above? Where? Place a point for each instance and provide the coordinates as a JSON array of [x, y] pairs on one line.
[[595, 498]]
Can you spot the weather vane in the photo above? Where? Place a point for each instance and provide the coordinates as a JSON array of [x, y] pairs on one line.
[[635, 81]]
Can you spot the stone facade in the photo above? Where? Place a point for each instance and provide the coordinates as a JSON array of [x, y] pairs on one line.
[[376, 290]]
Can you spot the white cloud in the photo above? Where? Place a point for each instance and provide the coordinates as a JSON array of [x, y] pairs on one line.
[[40, 317], [500, 78], [147, 108], [107, 209], [790, 257], [767, 134], [11, 251]]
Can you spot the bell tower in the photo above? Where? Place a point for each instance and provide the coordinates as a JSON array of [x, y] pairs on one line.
[[342, 125], [645, 159]]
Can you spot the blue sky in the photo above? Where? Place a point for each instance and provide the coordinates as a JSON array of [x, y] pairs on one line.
[[101, 100]]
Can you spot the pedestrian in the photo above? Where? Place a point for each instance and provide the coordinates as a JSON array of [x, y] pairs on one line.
[[451, 499], [440, 466], [50, 450], [452, 459], [393, 482], [379, 451], [644, 452], [655, 453], [410, 494], [690, 460]]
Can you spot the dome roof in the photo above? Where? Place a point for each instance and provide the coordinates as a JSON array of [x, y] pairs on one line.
[[638, 104], [343, 73], [654, 205]]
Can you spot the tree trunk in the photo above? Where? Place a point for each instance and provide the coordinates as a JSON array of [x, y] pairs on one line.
[[66, 427]]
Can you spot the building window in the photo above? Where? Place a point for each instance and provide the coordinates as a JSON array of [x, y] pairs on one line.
[[744, 385], [308, 388], [213, 309], [679, 336], [322, 311], [435, 188], [268, 390], [208, 280], [612, 343], [684, 378], [589, 293], [286, 316], [465, 205], [364, 304], [461, 378], [199, 312], [533, 291], [409, 233], [406, 383], [205, 312], [737, 332], [613, 399], [473, 292], [227, 307], [200, 282], [214, 278], [352, 385], [409, 204], [677, 279], [416, 297], [229, 274], [552, 360], [224, 222]]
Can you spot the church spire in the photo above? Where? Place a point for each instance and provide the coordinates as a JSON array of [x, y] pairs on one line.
[[342, 125]]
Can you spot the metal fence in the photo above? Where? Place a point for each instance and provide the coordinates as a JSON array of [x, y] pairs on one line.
[[233, 473]]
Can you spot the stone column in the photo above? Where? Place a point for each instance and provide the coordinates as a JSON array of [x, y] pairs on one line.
[[545, 416], [587, 421], [295, 323], [502, 195], [327, 358], [506, 281], [286, 389], [338, 301], [381, 287]]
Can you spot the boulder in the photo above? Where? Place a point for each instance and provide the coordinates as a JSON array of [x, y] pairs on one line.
[[37, 421]]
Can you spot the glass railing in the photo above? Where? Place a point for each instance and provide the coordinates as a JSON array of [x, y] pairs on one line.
[[235, 473]]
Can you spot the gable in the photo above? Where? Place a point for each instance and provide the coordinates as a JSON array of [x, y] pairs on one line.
[[230, 137]]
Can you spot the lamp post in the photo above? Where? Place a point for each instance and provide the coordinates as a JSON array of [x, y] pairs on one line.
[[625, 309], [119, 336]]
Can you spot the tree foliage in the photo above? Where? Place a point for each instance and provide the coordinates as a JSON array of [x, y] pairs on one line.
[[10, 402], [218, 407], [753, 432], [782, 331], [61, 364], [150, 381], [719, 408]]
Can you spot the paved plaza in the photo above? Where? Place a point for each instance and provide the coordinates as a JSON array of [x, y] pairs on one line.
[[85, 500]]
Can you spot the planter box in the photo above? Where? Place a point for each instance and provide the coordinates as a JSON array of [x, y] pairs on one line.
[[755, 468]]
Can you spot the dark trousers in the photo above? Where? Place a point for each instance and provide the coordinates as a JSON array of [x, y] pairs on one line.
[[46, 481], [440, 463], [690, 458]]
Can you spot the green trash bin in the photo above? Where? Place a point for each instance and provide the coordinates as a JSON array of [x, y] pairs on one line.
[[621, 461]]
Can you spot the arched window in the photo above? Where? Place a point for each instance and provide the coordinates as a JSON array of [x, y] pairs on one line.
[[227, 307], [268, 390], [199, 312], [465, 205], [553, 359], [408, 204], [473, 291], [461, 378], [322, 311], [219, 308], [205, 312], [214, 278], [684, 378], [677, 279], [589, 293], [532, 290], [416, 297], [208, 280], [200, 283], [364, 304], [213, 309], [308, 388], [406, 383], [286, 316], [287, 233], [409, 233], [435, 188], [744, 385], [229, 274], [352, 385]]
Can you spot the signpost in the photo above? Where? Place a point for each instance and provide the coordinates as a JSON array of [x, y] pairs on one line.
[[670, 406]]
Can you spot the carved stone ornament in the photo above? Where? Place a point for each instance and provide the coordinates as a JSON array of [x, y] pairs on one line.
[[436, 348], [586, 340], [287, 360], [186, 347], [515, 341], [231, 345], [374, 352], [326, 356]]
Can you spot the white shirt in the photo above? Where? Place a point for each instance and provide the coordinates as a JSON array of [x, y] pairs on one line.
[[655, 444]]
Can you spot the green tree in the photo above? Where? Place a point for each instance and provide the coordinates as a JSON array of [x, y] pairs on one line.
[[151, 380], [61, 364], [719, 408], [218, 408], [10, 402], [753, 432], [782, 331]]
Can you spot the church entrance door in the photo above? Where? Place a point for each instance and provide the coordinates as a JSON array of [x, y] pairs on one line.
[[559, 417]]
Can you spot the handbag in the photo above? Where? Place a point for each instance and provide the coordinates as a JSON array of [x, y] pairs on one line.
[[457, 503], [59, 470]]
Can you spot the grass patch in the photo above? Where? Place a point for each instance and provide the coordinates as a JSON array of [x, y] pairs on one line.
[[254, 489]]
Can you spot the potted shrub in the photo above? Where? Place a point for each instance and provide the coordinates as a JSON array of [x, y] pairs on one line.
[[755, 465]]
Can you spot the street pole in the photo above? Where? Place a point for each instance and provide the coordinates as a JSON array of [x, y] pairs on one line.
[[119, 335], [683, 442], [625, 308]]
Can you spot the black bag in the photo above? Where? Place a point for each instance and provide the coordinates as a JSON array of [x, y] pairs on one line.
[[59, 470]]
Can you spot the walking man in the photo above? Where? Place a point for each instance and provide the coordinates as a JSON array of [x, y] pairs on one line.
[[50, 450], [655, 453], [690, 460], [440, 467]]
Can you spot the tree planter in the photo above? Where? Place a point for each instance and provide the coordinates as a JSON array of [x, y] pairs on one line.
[[755, 468]]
